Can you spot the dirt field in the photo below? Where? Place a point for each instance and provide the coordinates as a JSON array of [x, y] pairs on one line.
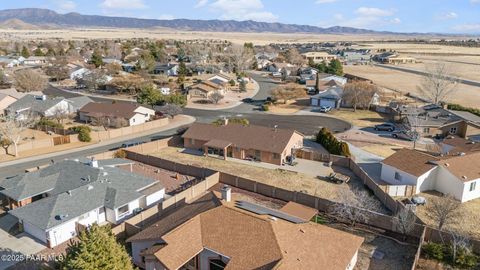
[[468, 221], [408, 83], [283, 179]]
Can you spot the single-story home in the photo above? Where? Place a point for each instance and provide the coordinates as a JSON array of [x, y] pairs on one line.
[[265, 144], [55, 203], [39, 106], [230, 237], [457, 174], [5, 101], [319, 57], [331, 97], [204, 89], [36, 60], [133, 113], [166, 69]]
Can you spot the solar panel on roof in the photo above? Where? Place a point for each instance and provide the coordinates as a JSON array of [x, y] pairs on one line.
[[262, 210]]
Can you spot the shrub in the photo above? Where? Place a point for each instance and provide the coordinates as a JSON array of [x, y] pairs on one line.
[[120, 154], [265, 107], [83, 133], [331, 144], [457, 107], [49, 123], [433, 250]]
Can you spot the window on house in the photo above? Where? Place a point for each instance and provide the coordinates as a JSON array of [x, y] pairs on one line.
[[275, 156], [453, 130], [122, 210], [473, 186], [398, 176], [216, 264], [426, 130], [192, 141], [257, 153]]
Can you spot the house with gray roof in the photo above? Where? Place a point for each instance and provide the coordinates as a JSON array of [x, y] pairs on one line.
[[54, 203], [331, 97]]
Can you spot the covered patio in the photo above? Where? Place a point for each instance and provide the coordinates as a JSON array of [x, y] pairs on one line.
[[217, 148]]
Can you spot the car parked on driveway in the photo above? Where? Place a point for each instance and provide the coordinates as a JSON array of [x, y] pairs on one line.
[[385, 127], [325, 109], [404, 135], [247, 100]]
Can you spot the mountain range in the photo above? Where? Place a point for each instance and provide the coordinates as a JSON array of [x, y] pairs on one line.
[[33, 18]]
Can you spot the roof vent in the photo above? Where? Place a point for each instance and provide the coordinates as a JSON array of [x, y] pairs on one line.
[[464, 177], [272, 218], [461, 154], [61, 217], [446, 164], [105, 173], [90, 187], [302, 231], [69, 192]]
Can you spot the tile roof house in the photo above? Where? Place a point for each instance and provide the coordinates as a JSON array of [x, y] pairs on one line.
[[228, 237], [456, 174], [134, 113], [53, 203], [271, 145]]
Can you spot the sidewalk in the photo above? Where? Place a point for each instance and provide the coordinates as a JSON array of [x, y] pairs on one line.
[[177, 122]]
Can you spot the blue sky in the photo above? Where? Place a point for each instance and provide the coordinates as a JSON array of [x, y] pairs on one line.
[[444, 16]]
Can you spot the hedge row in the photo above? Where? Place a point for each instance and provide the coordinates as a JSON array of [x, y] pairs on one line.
[[457, 107], [330, 142]]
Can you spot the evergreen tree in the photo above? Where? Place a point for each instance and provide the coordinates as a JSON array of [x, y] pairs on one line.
[[96, 59], [149, 95], [38, 52], [97, 249], [25, 52], [182, 73], [243, 86], [50, 52], [335, 67]]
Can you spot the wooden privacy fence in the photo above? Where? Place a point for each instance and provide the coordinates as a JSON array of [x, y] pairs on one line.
[[61, 140], [59, 131]]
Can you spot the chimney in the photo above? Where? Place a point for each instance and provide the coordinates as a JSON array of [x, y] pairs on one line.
[[94, 163], [275, 128], [226, 193]]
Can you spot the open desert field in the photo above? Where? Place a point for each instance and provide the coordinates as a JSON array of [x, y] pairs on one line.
[[166, 33], [407, 83]]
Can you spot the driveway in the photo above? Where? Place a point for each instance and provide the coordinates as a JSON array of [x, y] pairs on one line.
[[22, 244]]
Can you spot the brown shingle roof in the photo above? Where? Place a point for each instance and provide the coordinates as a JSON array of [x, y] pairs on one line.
[[206, 86], [246, 137], [119, 109], [298, 210], [411, 161], [466, 168], [174, 217], [258, 242]]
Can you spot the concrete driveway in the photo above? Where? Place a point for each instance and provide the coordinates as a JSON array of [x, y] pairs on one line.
[[21, 244]]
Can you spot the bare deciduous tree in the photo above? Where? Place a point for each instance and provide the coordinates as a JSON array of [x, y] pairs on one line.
[[171, 110], [443, 210], [60, 114], [294, 57], [459, 241], [404, 221], [438, 84], [288, 92], [242, 58], [11, 128], [359, 94], [28, 80], [94, 78], [354, 207], [216, 96]]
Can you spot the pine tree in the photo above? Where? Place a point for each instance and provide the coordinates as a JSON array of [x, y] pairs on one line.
[[335, 67], [38, 52], [97, 249], [25, 52], [182, 72], [96, 59]]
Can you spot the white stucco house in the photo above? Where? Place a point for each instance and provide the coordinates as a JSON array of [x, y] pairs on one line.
[[55, 203], [457, 175]]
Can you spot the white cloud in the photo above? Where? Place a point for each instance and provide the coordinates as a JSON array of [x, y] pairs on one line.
[[65, 5], [166, 17], [395, 20], [201, 3], [242, 10], [467, 28], [123, 4], [325, 1], [373, 12], [448, 16]]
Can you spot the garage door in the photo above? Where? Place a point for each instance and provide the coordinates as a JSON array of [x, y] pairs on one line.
[[314, 102], [327, 102]]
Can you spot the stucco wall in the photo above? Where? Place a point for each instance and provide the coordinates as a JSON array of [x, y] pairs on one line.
[[388, 175]]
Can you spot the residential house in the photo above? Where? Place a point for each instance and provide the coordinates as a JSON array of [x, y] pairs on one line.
[[54, 203], [325, 77], [319, 57], [166, 69], [270, 56], [79, 102], [107, 61], [18, 95], [284, 68], [457, 174], [239, 236], [271, 145], [36, 60], [331, 97], [78, 73], [133, 113], [355, 57], [433, 120], [393, 58], [42, 106], [9, 62], [5, 101], [263, 63], [204, 89]]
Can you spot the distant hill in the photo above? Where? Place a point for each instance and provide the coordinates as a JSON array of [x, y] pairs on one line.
[[17, 24], [40, 17]]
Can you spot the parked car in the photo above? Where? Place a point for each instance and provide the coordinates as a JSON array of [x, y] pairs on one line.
[[403, 135], [385, 127], [325, 109], [311, 90], [247, 100]]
